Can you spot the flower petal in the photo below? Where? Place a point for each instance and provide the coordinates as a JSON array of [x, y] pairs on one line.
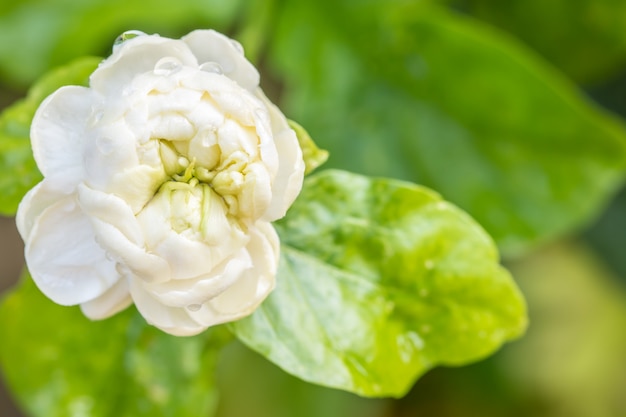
[[114, 300], [252, 287], [57, 133], [63, 257], [136, 56], [288, 182], [211, 46], [188, 292], [119, 233], [34, 202], [173, 320]]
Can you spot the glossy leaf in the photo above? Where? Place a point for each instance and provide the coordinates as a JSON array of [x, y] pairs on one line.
[[418, 93], [313, 156], [58, 363], [379, 281], [18, 171]]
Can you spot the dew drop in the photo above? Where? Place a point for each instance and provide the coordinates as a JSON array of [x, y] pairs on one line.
[[105, 145], [129, 34], [96, 117], [237, 46], [167, 66], [194, 307], [122, 269], [212, 67]]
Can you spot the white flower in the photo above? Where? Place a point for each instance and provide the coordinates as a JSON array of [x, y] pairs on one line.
[[160, 183]]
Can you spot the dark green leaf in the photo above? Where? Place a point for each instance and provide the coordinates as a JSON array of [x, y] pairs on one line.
[[584, 38], [18, 171], [59, 364], [379, 281], [418, 93]]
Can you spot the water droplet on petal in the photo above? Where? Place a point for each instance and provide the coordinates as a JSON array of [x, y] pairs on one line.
[[212, 67], [105, 145], [96, 117], [237, 46], [129, 34], [167, 66], [193, 307]]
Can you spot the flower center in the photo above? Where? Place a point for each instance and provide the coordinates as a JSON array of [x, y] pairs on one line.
[[228, 177]]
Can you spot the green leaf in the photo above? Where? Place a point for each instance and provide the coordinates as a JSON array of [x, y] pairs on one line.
[[38, 35], [419, 93], [585, 39], [18, 171], [59, 364], [379, 281], [270, 392], [312, 155]]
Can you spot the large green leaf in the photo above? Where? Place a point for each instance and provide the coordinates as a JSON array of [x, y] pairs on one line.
[[59, 364], [18, 171], [584, 38], [40, 34], [419, 93], [379, 281]]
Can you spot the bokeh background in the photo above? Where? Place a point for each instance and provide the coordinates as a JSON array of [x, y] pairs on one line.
[[361, 83]]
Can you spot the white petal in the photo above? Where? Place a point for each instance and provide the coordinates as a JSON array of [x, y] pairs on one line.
[[183, 293], [134, 57], [206, 236], [116, 299], [43, 195], [211, 46], [63, 257], [58, 132], [172, 320], [120, 234], [252, 287], [288, 182]]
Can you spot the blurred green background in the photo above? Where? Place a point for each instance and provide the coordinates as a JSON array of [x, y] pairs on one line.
[[512, 110]]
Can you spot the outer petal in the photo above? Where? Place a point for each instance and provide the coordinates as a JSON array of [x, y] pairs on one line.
[[58, 130], [136, 56], [211, 46], [63, 257], [42, 196], [190, 292], [172, 320], [288, 182], [116, 299], [253, 286]]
